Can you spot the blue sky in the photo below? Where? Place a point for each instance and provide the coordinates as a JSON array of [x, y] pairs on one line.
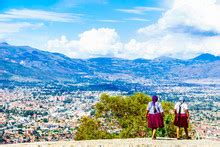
[[90, 13], [116, 28]]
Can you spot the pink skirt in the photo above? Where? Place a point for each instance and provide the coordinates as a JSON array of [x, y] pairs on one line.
[[181, 120], [155, 121]]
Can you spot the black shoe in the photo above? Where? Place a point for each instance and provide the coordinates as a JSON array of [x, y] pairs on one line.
[[188, 137]]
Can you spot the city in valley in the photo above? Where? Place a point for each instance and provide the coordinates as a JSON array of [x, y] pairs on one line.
[[49, 112]]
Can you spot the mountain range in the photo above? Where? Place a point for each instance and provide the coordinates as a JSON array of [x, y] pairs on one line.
[[24, 63]]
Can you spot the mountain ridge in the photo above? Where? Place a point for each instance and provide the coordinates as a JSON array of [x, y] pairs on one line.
[[28, 62], [207, 57], [198, 57]]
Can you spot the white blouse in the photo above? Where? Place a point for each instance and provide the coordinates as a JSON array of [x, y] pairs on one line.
[[158, 107], [184, 107]]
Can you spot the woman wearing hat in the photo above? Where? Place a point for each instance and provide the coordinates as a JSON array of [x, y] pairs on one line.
[[181, 117], [155, 115]]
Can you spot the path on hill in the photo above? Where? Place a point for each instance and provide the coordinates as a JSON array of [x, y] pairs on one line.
[[137, 142]]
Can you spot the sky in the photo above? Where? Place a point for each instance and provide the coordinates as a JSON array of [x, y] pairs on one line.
[[113, 28]]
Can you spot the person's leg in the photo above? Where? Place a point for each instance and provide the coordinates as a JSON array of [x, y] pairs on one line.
[[186, 131], [178, 132], [154, 133]]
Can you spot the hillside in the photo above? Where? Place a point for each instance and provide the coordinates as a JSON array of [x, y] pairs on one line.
[[23, 63], [26, 66]]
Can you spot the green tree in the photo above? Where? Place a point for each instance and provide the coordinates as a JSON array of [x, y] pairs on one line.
[[124, 116], [91, 128]]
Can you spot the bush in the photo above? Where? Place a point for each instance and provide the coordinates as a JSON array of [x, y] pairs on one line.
[[90, 128]]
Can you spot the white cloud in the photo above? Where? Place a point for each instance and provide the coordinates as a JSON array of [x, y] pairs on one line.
[[199, 14], [174, 45], [39, 15], [187, 29], [137, 19], [110, 20], [6, 27], [96, 43], [140, 10], [92, 43], [74, 3]]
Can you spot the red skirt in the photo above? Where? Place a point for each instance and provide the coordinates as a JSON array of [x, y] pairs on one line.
[[181, 120], [155, 121]]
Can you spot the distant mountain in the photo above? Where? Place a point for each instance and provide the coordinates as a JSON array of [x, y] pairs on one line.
[[141, 60], [3, 44], [165, 59], [26, 63], [207, 57]]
